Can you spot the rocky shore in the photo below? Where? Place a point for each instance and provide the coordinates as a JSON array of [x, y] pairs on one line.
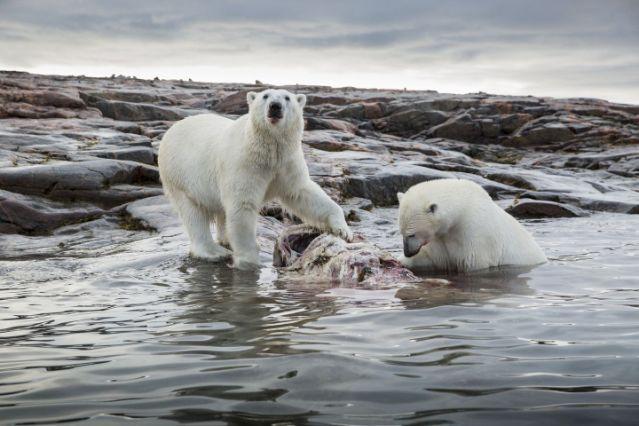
[[78, 155]]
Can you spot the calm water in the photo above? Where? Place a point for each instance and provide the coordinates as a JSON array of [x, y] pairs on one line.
[[119, 329]]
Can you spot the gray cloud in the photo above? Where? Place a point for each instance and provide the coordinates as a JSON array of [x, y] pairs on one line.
[[559, 47]]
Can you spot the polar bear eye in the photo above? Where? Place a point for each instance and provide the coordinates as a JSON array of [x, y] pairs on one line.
[[287, 98], [265, 96], [432, 208]]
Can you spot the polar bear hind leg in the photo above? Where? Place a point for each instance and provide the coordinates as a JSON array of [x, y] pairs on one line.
[[198, 226], [220, 230]]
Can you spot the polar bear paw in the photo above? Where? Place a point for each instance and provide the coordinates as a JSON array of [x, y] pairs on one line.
[[338, 227], [246, 263], [214, 254]]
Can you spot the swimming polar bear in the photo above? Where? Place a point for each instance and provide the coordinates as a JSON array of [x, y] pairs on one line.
[[215, 169], [454, 225]]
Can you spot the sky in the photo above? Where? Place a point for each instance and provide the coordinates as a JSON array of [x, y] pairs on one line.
[[562, 48]]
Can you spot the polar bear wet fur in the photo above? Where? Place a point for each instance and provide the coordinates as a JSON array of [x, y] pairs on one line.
[[454, 225], [219, 170]]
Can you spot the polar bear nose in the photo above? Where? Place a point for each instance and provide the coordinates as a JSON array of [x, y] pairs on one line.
[[275, 110], [275, 106], [412, 245]]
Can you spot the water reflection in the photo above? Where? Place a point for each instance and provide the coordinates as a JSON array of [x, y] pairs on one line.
[[475, 287]]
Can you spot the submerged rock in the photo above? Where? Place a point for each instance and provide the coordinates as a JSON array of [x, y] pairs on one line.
[[304, 250]]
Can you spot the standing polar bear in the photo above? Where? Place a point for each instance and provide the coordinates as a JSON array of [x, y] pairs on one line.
[[215, 169], [454, 225]]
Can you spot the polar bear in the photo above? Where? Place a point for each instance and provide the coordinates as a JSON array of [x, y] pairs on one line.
[[219, 170], [454, 225]]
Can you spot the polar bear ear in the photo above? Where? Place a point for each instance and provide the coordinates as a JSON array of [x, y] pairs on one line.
[[250, 97], [301, 99], [400, 195]]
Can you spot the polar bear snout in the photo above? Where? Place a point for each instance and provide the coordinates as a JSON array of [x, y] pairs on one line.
[[412, 245], [274, 113]]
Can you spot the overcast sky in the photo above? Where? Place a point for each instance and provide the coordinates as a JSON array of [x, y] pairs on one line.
[[541, 47]]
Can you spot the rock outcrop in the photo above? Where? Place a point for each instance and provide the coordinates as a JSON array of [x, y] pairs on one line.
[[74, 149]]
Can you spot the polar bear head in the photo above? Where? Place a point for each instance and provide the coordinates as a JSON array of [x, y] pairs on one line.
[[276, 110], [432, 209]]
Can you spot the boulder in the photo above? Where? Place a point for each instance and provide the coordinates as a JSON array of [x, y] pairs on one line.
[[87, 180], [535, 134], [316, 123], [361, 111], [409, 122], [138, 154], [35, 215], [129, 111], [460, 127], [233, 104], [534, 209], [382, 187]]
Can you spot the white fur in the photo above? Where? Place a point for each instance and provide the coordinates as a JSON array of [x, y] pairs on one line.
[[467, 231], [215, 169]]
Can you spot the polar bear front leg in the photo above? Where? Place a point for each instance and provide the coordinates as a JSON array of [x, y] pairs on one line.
[[241, 225], [310, 202]]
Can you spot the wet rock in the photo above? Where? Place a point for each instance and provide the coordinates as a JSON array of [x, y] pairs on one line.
[[628, 167], [233, 104], [309, 254], [89, 180], [128, 111], [511, 122], [461, 127], [362, 111], [511, 179], [150, 214], [36, 216], [328, 99], [534, 134], [136, 154], [410, 122], [533, 209], [127, 96], [333, 141], [448, 104], [315, 123], [42, 98], [382, 187], [490, 128], [621, 202]]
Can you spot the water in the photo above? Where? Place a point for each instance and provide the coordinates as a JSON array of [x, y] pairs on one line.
[[119, 327]]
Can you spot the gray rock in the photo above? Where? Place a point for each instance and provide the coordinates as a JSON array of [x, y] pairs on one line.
[[35, 215], [461, 127], [128, 111], [627, 167], [88, 180], [511, 122], [382, 187], [139, 154], [409, 122], [533, 209], [362, 111], [534, 134], [316, 123], [233, 104]]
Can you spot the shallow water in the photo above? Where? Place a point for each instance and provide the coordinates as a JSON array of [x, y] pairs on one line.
[[118, 327]]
